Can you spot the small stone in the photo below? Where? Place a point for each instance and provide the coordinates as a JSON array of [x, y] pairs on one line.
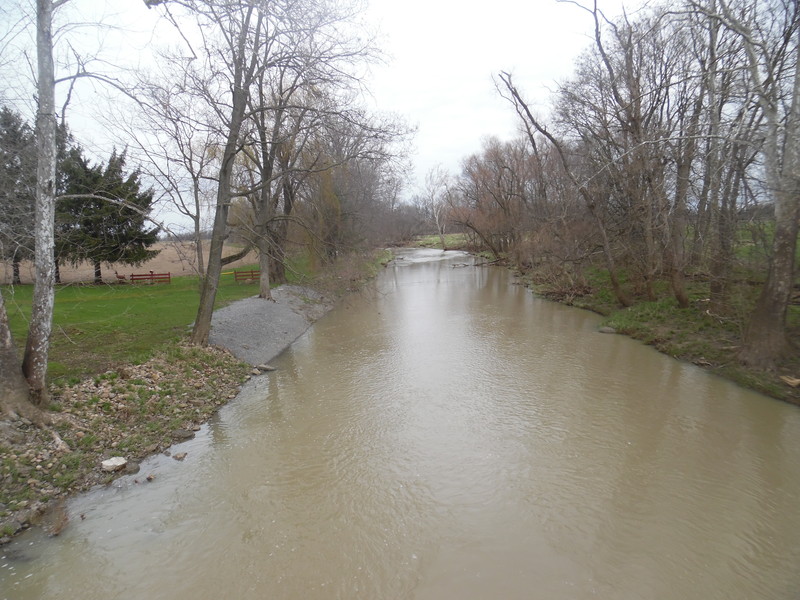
[[607, 329], [132, 467], [180, 455], [255, 372], [266, 367], [115, 463], [182, 434]]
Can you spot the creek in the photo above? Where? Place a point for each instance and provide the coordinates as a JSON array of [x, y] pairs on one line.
[[447, 435]]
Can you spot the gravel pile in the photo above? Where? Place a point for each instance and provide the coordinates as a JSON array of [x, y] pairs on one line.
[[255, 330]]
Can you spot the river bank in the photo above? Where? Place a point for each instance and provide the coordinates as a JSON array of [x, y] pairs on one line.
[[135, 411], [698, 334], [447, 434]]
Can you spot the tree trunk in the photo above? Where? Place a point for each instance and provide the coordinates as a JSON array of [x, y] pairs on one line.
[[619, 293], [765, 339], [264, 265], [15, 279], [13, 387], [98, 275], [34, 365], [723, 254], [277, 236], [280, 233], [208, 289], [242, 77], [198, 246], [678, 232]]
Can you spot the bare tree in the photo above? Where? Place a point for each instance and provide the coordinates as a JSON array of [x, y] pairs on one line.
[[178, 138], [232, 33], [532, 124], [434, 200], [770, 35], [34, 364]]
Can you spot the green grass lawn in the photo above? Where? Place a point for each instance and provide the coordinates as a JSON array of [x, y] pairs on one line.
[[98, 326]]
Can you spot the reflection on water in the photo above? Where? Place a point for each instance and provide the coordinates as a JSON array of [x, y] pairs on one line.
[[447, 435]]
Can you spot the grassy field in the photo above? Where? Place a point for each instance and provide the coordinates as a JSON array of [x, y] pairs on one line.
[[96, 327]]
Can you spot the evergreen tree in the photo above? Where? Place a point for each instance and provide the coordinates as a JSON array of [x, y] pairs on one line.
[[17, 189], [102, 215]]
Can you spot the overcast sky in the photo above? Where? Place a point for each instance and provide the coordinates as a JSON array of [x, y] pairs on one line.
[[442, 55], [445, 53]]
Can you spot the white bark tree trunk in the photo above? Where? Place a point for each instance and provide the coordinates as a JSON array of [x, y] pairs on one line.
[[34, 364]]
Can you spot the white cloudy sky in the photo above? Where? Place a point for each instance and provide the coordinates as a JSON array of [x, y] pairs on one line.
[[443, 54]]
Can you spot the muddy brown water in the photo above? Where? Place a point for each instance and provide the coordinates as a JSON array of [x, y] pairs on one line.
[[446, 435]]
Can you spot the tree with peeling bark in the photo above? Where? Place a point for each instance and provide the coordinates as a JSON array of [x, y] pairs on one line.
[[34, 364], [33, 385]]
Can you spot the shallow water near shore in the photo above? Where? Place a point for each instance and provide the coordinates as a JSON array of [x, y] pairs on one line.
[[446, 435]]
